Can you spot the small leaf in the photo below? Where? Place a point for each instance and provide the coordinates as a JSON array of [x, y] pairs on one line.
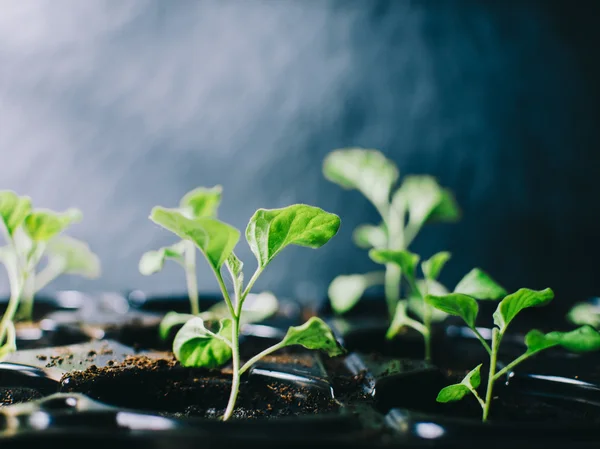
[[584, 313], [170, 320], [202, 201], [42, 225], [452, 393], [419, 195], [75, 256], [365, 170], [346, 290], [214, 238], [582, 339], [480, 285], [271, 230], [153, 261], [399, 321], [406, 260], [456, 392], [195, 347], [314, 334], [511, 305], [369, 236], [234, 266], [447, 210], [456, 304], [416, 304], [432, 267], [13, 210], [256, 308]]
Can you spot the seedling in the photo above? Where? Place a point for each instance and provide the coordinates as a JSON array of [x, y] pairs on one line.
[[200, 202], [269, 231], [476, 283], [32, 235], [418, 200], [583, 339]]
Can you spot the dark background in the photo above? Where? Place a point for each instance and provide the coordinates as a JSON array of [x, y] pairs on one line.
[[116, 106]]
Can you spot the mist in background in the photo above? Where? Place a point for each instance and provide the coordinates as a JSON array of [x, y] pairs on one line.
[[117, 106]]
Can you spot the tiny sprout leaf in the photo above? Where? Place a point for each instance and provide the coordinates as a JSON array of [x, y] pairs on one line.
[[480, 285], [447, 210], [369, 236], [582, 339], [314, 334], [406, 260], [419, 195], [214, 238], [170, 320], [456, 304], [399, 321], [584, 313], [42, 225], [456, 392], [235, 266], [452, 393], [195, 346], [74, 256], [416, 304], [153, 261], [523, 298], [434, 265], [202, 201], [346, 290], [13, 210], [256, 308], [365, 170], [271, 230]]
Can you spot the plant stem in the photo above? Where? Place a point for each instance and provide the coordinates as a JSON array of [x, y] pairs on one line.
[[514, 363], [259, 356], [48, 274], [482, 341], [13, 302], [25, 312], [190, 277], [496, 337], [393, 276], [235, 354], [427, 336]]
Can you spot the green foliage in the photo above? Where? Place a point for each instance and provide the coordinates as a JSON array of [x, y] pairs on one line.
[[202, 201], [197, 346], [314, 334], [346, 290], [42, 225], [456, 304], [406, 260], [480, 285], [153, 261], [434, 265], [13, 210], [512, 304], [458, 391]]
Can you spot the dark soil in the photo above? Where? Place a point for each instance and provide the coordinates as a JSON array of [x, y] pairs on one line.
[[164, 386], [9, 396]]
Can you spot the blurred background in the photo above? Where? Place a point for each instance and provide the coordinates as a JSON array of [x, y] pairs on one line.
[[117, 106]]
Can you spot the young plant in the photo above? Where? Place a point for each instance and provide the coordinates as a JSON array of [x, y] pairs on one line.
[[476, 283], [200, 202], [269, 231], [32, 235], [583, 339], [418, 200]]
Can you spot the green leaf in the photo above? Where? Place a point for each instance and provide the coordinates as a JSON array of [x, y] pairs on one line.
[[369, 236], [195, 346], [314, 334], [399, 321], [584, 313], [456, 392], [153, 261], [41, 225], [582, 339], [456, 304], [256, 308], [214, 238], [346, 290], [419, 195], [271, 230], [511, 305], [365, 170], [406, 260], [235, 266], [202, 201], [447, 210], [170, 320], [416, 304], [480, 285], [13, 210], [75, 256], [432, 267]]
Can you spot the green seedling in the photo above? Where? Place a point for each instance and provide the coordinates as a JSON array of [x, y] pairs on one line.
[[200, 344], [418, 200], [585, 313], [200, 202], [476, 283], [583, 339], [32, 235]]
